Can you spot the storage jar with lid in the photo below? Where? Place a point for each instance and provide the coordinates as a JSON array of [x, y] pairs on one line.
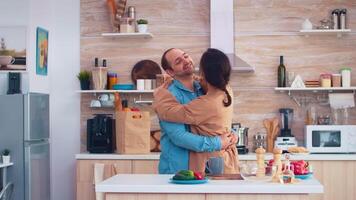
[[346, 77], [112, 80], [336, 80], [325, 80]]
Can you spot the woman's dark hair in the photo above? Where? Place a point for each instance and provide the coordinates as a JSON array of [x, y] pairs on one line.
[[216, 69]]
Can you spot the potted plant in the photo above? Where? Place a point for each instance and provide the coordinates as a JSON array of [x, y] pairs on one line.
[[6, 156], [84, 78], [142, 25]]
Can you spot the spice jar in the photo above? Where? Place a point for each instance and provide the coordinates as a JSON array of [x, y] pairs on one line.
[[346, 77], [325, 80], [336, 80]]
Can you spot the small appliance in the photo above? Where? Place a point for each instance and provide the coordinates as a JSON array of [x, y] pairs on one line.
[[285, 139], [242, 134], [14, 83], [100, 134], [330, 138]]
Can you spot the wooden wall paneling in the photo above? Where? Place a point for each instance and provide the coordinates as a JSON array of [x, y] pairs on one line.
[[190, 31], [307, 57], [282, 16], [145, 166], [184, 17]]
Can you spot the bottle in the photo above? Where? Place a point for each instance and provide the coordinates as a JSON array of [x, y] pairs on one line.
[[96, 62], [343, 19], [288, 174], [125, 106], [281, 73], [335, 18]]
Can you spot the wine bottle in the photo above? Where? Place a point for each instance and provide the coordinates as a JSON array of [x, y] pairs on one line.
[[281, 73]]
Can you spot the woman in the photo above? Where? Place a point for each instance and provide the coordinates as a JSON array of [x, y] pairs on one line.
[[210, 114]]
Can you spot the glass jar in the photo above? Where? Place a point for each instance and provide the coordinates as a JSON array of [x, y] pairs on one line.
[[325, 80], [112, 80], [336, 80], [346, 77]]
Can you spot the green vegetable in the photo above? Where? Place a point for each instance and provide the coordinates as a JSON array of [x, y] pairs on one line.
[[184, 175]]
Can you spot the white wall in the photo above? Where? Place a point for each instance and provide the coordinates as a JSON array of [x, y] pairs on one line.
[[13, 13], [65, 103], [41, 15], [61, 19]]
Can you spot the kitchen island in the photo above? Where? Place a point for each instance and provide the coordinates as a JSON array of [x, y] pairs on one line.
[[153, 186]]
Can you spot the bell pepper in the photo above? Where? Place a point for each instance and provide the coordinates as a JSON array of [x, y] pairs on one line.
[[198, 176]]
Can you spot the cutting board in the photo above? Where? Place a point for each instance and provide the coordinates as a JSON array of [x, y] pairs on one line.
[[225, 177]]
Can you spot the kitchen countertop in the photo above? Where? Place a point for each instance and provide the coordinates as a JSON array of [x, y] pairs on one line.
[[155, 183], [251, 156]]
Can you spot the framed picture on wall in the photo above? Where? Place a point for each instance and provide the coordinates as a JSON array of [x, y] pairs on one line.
[[13, 48], [41, 51]]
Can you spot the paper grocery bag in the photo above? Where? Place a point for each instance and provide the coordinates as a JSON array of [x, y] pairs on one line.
[[133, 132]]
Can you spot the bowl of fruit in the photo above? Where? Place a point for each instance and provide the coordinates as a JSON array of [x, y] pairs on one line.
[[188, 177]]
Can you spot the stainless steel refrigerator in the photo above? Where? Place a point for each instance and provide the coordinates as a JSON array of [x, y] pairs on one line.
[[24, 130]]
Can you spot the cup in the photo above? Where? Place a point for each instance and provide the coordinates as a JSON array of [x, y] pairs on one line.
[[111, 97], [290, 78], [95, 103], [140, 84], [103, 97], [215, 166], [148, 84], [6, 60]]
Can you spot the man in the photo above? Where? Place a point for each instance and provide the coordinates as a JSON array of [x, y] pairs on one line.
[[176, 139]]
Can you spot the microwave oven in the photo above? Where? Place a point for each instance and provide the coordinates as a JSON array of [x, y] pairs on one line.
[[330, 138]]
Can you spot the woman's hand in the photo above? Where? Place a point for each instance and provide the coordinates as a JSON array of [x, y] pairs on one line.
[[228, 140], [202, 82]]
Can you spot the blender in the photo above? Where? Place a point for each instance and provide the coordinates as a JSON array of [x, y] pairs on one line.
[[285, 138]]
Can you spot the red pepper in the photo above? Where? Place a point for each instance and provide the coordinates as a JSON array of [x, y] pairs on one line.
[[198, 176]]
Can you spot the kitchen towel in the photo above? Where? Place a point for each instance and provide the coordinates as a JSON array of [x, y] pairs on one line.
[[342, 100]]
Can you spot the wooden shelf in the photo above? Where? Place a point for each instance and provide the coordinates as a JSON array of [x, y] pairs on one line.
[[113, 91], [337, 32], [316, 89], [128, 35]]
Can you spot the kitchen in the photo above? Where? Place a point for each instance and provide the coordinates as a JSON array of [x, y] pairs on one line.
[[262, 32]]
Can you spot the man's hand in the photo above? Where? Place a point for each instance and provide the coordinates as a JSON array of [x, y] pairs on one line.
[[227, 140]]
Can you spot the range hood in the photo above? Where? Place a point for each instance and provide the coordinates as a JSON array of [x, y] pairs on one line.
[[222, 33]]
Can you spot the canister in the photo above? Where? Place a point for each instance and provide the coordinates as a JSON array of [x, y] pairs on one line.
[[112, 80], [346, 77], [336, 80], [325, 80]]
